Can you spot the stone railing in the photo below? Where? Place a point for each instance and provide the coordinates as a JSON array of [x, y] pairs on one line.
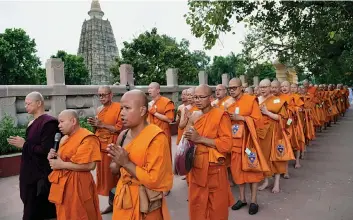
[[82, 98]]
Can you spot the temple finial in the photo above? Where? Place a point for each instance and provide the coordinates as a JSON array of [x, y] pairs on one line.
[[96, 10]]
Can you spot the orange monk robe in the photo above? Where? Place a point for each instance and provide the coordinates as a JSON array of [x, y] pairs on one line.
[[334, 104], [299, 121], [220, 102], [165, 107], [209, 189], [247, 106], [191, 109], [344, 100], [309, 118], [74, 192], [110, 116], [266, 133], [292, 119], [180, 131], [337, 96], [347, 98], [150, 152]]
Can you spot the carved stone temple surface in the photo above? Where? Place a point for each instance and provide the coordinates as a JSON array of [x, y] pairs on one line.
[[98, 46], [284, 73]]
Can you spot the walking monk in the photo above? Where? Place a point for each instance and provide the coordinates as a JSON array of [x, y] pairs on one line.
[[245, 114], [209, 190], [184, 100], [273, 140], [73, 189], [221, 95], [142, 158], [107, 126]]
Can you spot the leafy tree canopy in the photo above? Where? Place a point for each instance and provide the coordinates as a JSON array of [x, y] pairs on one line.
[[151, 54], [312, 35], [75, 70], [18, 61]]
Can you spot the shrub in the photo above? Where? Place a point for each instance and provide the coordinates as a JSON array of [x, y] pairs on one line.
[[7, 129], [84, 124]]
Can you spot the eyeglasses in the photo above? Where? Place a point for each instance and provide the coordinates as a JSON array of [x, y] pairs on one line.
[[233, 88], [201, 97], [102, 95]]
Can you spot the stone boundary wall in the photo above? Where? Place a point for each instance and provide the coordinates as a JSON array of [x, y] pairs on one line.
[[83, 98]]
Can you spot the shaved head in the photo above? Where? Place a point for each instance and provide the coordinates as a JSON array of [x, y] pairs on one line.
[[205, 88], [35, 96], [105, 88], [105, 95], [265, 87], [203, 97], [137, 96], [221, 91], [154, 90], [275, 83], [68, 121], [235, 81], [34, 104], [134, 109], [265, 82], [235, 87], [155, 85], [285, 87]]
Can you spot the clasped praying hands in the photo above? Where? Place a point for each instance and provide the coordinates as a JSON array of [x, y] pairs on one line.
[[118, 154], [94, 122], [192, 135]]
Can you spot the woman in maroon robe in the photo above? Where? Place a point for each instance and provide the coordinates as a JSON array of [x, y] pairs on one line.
[[34, 184]]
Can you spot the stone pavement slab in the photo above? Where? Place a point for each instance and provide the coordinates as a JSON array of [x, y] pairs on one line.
[[321, 190]]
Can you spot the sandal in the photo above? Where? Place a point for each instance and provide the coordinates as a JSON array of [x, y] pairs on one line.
[[239, 205], [253, 209]]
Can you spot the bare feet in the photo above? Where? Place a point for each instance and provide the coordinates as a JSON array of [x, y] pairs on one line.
[[166, 193], [264, 185], [275, 189], [297, 165], [107, 210], [285, 176]]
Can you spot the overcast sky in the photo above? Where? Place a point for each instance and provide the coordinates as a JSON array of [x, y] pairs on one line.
[[56, 25]]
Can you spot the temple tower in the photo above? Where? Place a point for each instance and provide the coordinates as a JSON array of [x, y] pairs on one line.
[[98, 46]]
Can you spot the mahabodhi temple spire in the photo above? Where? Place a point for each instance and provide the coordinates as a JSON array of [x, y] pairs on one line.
[[98, 46]]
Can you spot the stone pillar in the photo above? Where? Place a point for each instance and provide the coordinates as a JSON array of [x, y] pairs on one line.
[[172, 77], [172, 80], [126, 74], [256, 81], [56, 79], [242, 79], [281, 71], [225, 79], [8, 108], [203, 78]]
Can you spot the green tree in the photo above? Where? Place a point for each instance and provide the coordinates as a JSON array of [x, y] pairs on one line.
[[314, 35], [232, 64], [75, 70], [18, 60], [262, 70], [151, 54]]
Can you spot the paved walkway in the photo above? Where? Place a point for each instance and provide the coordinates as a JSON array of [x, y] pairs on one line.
[[321, 190]]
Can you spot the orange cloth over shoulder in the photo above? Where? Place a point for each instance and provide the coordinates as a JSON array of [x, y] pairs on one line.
[[150, 152], [74, 192], [109, 115], [244, 136], [209, 190], [165, 107], [220, 103]]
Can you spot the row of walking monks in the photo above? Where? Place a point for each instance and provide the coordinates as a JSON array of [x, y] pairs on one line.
[[251, 135]]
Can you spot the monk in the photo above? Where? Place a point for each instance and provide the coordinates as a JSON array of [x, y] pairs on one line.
[[294, 124], [142, 158], [184, 100], [209, 190], [161, 110], [34, 169], [272, 137], [221, 95], [245, 114], [73, 189], [256, 91], [107, 125], [249, 90]]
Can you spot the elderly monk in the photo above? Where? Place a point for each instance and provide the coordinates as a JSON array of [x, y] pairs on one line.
[[107, 125], [188, 111], [221, 95], [35, 167], [256, 91], [209, 190], [141, 158], [73, 189], [184, 100], [245, 114], [161, 110], [271, 134]]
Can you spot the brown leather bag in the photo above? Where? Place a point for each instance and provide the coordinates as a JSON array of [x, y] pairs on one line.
[[150, 200]]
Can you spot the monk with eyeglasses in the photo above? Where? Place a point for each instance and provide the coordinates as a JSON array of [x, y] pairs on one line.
[[107, 126]]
